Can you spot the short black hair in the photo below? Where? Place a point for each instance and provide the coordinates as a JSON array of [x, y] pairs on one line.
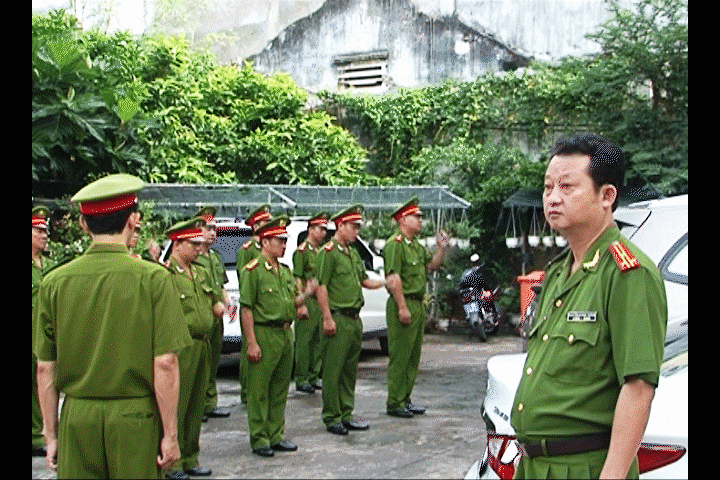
[[607, 160], [109, 223]]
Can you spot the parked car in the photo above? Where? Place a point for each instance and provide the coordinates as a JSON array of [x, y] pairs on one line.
[[659, 228], [232, 235]]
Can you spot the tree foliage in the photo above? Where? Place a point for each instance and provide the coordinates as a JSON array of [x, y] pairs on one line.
[[152, 107]]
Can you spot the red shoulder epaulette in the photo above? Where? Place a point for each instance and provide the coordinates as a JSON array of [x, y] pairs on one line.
[[329, 246], [252, 264], [624, 259], [246, 245], [399, 238]]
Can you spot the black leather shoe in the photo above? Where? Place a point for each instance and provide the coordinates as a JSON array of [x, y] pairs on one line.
[[305, 388], [199, 471], [356, 425], [177, 475], [400, 412], [39, 452], [415, 409], [218, 413], [316, 386], [338, 429], [284, 446], [264, 451]]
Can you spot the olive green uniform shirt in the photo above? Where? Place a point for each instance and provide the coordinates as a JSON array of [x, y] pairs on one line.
[[341, 270], [197, 297], [216, 271], [304, 259], [270, 295], [408, 259], [592, 330], [247, 252], [103, 317]]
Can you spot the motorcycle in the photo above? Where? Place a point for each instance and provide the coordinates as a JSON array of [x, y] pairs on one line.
[[478, 300]]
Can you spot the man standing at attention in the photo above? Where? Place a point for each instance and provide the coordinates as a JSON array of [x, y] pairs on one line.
[[269, 306], [309, 340], [197, 297], [108, 330], [40, 217], [341, 276], [595, 350], [406, 264]]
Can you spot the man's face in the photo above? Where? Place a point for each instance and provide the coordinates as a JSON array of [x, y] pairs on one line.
[[317, 233], [348, 231], [187, 250], [210, 234], [570, 199], [39, 239], [413, 223], [275, 246]]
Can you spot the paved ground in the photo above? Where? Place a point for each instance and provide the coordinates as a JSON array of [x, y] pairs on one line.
[[443, 443]]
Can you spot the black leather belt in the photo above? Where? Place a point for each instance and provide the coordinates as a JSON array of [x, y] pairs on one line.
[[571, 446], [353, 313]]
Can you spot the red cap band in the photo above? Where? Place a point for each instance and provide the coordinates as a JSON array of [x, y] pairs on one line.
[[108, 205], [185, 234], [257, 217], [409, 210], [350, 217], [39, 222]]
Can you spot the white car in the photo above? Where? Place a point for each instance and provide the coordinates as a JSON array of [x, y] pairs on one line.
[[659, 228], [232, 235]]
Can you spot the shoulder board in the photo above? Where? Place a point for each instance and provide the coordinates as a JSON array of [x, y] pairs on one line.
[[302, 246], [246, 245], [329, 246], [399, 238], [252, 264], [624, 259]]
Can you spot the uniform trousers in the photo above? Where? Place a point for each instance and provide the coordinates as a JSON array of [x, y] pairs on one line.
[[38, 440], [216, 341], [267, 385], [309, 345], [580, 465], [109, 438], [340, 364], [404, 346], [194, 363]]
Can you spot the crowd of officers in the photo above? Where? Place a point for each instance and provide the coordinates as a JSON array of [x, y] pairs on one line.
[[134, 345]]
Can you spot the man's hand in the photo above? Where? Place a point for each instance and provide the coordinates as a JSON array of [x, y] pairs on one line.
[[169, 453], [404, 315], [51, 457], [329, 327], [254, 354]]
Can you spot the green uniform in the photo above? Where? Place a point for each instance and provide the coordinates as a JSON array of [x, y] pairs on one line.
[[103, 318], [341, 270], [409, 260], [309, 340], [605, 322], [196, 297], [215, 268], [270, 296], [37, 434], [249, 251]]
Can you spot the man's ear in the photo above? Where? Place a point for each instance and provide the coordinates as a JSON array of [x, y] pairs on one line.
[[83, 224], [609, 194]]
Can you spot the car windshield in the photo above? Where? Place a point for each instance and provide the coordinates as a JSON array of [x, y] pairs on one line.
[[675, 356], [228, 241]]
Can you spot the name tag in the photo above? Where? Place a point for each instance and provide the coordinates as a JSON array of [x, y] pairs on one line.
[[582, 316]]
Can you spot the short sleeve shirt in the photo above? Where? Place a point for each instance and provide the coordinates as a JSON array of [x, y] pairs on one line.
[[196, 296], [341, 270], [270, 295], [102, 318], [408, 259], [592, 330], [304, 259]]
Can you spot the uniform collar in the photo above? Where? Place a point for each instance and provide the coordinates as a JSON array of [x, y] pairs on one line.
[[107, 248]]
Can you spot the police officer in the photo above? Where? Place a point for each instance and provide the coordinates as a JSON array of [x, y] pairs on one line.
[[246, 253], [108, 329], [40, 217], [197, 296], [341, 276], [211, 260], [406, 263], [595, 349], [309, 340], [269, 306]]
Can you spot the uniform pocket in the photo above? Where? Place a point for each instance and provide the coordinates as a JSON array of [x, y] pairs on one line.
[[575, 357]]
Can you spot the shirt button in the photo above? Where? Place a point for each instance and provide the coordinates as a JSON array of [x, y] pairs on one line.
[[520, 407], [558, 303], [529, 371], [182, 295], [545, 337], [571, 339]]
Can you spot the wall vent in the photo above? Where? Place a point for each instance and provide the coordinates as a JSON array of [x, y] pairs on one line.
[[362, 71]]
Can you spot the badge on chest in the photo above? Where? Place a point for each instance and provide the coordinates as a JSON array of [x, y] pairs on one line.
[[582, 316]]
